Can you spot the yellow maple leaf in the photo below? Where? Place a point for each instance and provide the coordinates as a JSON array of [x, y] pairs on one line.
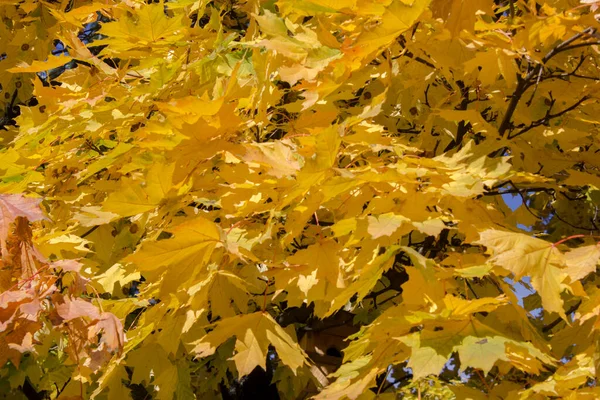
[[524, 255], [184, 255], [41, 66], [254, 333]]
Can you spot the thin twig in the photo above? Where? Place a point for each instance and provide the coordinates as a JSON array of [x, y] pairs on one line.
[[548, 117], [537, 83], [389, 298], [517, 190], [89, 231], [558, 320], [581, 228], [471, 287], [489, 389], [524, 83], [384, 379], [566, 44], [578, 45], [93, 147]]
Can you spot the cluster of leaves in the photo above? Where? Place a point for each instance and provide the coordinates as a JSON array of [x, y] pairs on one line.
[[45, 312], [234, 177]]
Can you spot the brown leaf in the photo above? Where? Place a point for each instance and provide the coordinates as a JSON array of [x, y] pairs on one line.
[[112, 331], [77, 308], [13, 206]]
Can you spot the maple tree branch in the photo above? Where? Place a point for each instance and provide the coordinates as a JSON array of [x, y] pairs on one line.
[[389, 299], [408, 130], [373, 295], [515, 189], [519, 190], [389, 370], [537, 83], [58, 392], [93, 147], [558, 217], [578, 45], [573, 73], [512, 106], [9, 111], [548, 117], [409, 54], [524, 83], [593, 78], [405, 52], [332, 326], [593, 219], [493, 280], [387, 386], [558, 320], [524, 202], [565, 45], [580, 197], [303, 315], [419, 59], [89, 231], [489, 389], [582, 59], [471, 288], [463, 126]]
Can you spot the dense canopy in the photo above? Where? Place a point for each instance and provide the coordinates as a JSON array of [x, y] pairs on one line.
[[338, 199]]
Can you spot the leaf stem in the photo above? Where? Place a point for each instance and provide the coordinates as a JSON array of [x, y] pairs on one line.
[[24, 281], [568, 238], [264, 307], [489, 389], [558, 320], [389, 369]]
